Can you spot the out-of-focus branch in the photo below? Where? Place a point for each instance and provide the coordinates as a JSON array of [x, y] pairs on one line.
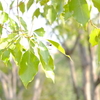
[[3, 79], [70, 51], [97, 82]]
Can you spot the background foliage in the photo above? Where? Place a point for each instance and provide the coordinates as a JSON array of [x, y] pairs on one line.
[[26, 45]]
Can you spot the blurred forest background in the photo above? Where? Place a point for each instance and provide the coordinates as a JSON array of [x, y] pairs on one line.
[[74, 80], [70, 78]]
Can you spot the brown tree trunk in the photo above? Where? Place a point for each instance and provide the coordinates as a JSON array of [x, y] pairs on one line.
[[87, 69]]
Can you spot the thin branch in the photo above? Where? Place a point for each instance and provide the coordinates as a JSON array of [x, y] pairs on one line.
[[70, 51], [4, 28], [93, 25], [97, 82]]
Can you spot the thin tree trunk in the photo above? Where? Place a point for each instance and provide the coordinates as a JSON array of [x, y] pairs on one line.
[[91, 72], [73, 77], [39, 79], [86, 67]]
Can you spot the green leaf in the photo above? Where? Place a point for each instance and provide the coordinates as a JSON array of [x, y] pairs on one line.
[[22, 7], [17, 53], [37, 1], [23, 23], [97, 4], [94, 36], [43, 2], [36, 13], [5, 57], [5, 42], [40, 31], [3, 17], [28, 67], [58, 46], [51, 14], [1, 28], [13, 25], [46, 60], [80, 10], [1, 8], [29, 4], [11, 4], [58, 5], [66, 13]]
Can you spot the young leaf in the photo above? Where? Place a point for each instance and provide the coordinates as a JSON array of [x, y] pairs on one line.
[[28, 67], [51, 15], [1, 8], [80, 10], [5, 57], [43, 2], [11, 4], [94, 37], [58, 5], [23, 23], [36, 13], [17, 53], [29, 4], [97, 4], [58, 46], [13, 25], [40, 31], [66, 13], [46, 60], [22, 7], [4, 42], [3, 17]]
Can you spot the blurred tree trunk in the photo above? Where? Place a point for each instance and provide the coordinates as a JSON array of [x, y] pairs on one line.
[[9, 83], [37, 89], [74, 79], [90, 80], [87, 74], [76, 88]]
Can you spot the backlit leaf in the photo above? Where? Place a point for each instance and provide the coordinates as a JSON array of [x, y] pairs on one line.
[[43, 2], [5, 57], [97, 4], [13, 25], [4, 42], [28, 67], [94, 37], [51, 14], [57, 45], [11, 4], [3, 17], [29, 4], [80, 10], [17, 53], [40, 31], [46, 60], [1, 8], [23, 23], [66, 13], [22, 7], [58, 5], [36, 13]]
